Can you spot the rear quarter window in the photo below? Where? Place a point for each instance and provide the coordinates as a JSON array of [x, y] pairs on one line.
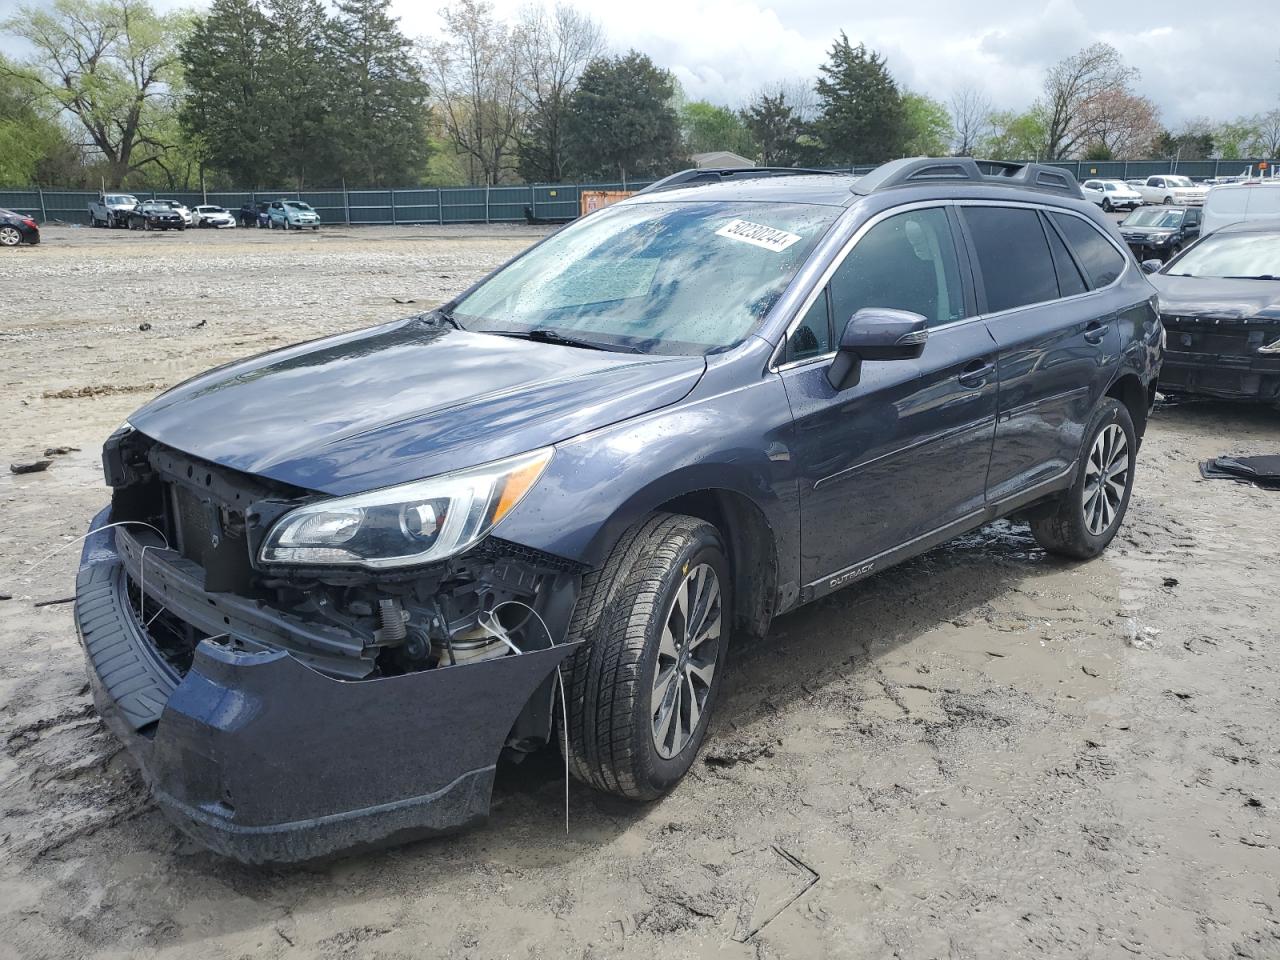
[[1102, 262]]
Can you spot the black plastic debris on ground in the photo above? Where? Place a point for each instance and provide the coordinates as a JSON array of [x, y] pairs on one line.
[[1260, 471]]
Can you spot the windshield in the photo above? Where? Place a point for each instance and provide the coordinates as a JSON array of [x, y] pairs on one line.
[[1153, 218], [1245, 255], [297, 205], [157, 208], [122, 198], [211, 209], [659, 277], [1178, 182]]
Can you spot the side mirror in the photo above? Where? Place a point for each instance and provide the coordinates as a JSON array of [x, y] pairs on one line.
[[876, 333], [1151, 266]]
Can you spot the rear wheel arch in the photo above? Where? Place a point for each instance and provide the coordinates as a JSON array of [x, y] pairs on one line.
[[1129, 390]]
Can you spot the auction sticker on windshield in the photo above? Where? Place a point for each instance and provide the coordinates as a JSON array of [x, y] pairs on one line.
[[758, 234]]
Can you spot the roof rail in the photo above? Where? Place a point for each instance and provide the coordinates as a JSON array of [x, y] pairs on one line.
[[915, 171], [698, 176]]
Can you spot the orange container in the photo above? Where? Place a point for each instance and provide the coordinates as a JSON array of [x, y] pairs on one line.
[[599, 199]]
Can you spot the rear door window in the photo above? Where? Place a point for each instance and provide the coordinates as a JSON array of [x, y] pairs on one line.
[[1013, 256], [1102, 262]]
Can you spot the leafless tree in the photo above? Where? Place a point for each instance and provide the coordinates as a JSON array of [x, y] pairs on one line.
[[970, 118], [1070, 86], [1266, 141], [475, 81], [552, 47], [1123, 124]]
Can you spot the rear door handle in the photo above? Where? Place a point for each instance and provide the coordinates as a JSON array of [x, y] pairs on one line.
[[1095, 332], [976, 373]]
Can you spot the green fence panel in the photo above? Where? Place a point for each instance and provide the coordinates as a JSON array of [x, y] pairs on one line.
[[501, 204]]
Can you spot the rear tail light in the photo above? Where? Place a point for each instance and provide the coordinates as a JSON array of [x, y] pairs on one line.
[[31, 223]]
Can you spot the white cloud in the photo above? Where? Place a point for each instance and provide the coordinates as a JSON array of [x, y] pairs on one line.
[[1194, 60]]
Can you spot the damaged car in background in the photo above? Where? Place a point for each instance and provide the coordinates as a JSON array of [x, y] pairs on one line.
[[336, 582], [1220, 304]]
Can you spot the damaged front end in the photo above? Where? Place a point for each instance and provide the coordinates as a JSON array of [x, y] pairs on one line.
[[282, 710]]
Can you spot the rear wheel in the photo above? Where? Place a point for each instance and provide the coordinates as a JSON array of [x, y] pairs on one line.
[[1088, 515], [9, 236], [655, 619]]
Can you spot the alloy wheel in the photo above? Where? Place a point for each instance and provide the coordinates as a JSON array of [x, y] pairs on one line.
[[687, 655], [1106, 479], [10, 237]]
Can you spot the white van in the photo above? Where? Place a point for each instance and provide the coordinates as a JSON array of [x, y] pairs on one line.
[[1237, 202]]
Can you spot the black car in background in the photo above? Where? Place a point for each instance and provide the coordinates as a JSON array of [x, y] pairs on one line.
[[155, 215], [17, 228], [1220, 303], [1158, 233], [254, 215]]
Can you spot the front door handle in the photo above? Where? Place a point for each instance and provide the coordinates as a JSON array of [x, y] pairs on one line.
[[1095, 332], [976, 373]]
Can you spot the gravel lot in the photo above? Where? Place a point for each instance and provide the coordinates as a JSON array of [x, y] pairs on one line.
[[984, 753]]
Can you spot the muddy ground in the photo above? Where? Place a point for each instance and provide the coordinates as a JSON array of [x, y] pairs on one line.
[[984, 753]]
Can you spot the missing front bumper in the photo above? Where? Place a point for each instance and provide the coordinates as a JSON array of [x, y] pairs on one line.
[[263, 759]]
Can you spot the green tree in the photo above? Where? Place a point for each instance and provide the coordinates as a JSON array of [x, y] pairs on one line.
[[1017, 136], [775, 128], [303, 85], [620, 120], [381, 100], [34, 146], [227, 113], [1193, 142], [110, 65], [860, 112], [927, 129], [707, 127]]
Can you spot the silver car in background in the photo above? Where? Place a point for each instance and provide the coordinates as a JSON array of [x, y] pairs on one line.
[[292, 215]]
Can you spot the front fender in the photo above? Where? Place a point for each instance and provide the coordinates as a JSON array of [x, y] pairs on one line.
[[722, 437]]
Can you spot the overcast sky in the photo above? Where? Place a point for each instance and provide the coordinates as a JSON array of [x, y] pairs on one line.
[[1196, 60]]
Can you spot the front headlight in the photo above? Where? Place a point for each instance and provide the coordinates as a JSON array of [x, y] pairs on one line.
[[409, 524], [1162, 237]]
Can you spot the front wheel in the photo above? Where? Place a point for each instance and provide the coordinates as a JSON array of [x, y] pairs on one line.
[[1168, 200], [1106, 206], [655, 621], [1088, 515]]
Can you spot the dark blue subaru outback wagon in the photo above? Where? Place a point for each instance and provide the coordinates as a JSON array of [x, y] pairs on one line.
[[337, 581]]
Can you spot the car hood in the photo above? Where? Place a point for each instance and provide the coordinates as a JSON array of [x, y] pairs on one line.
[[404, 401], [1146, 231], [1217, 297]]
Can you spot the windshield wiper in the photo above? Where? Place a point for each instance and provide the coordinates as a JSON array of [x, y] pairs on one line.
[[1258, 276], [546, 335]]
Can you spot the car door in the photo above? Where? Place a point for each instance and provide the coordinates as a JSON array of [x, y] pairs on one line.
[[1058, 340], [903, 453]]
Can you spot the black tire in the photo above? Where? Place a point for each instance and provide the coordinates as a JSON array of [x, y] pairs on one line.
[[1074, 528], [1106, 205], [622, 613], [1168, 201]]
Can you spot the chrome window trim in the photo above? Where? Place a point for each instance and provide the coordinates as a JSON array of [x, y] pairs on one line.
[[776, 366]]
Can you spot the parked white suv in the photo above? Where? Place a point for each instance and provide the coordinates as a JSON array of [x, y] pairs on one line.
[[1238, 202], [1172, 188], [1111, 194]]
